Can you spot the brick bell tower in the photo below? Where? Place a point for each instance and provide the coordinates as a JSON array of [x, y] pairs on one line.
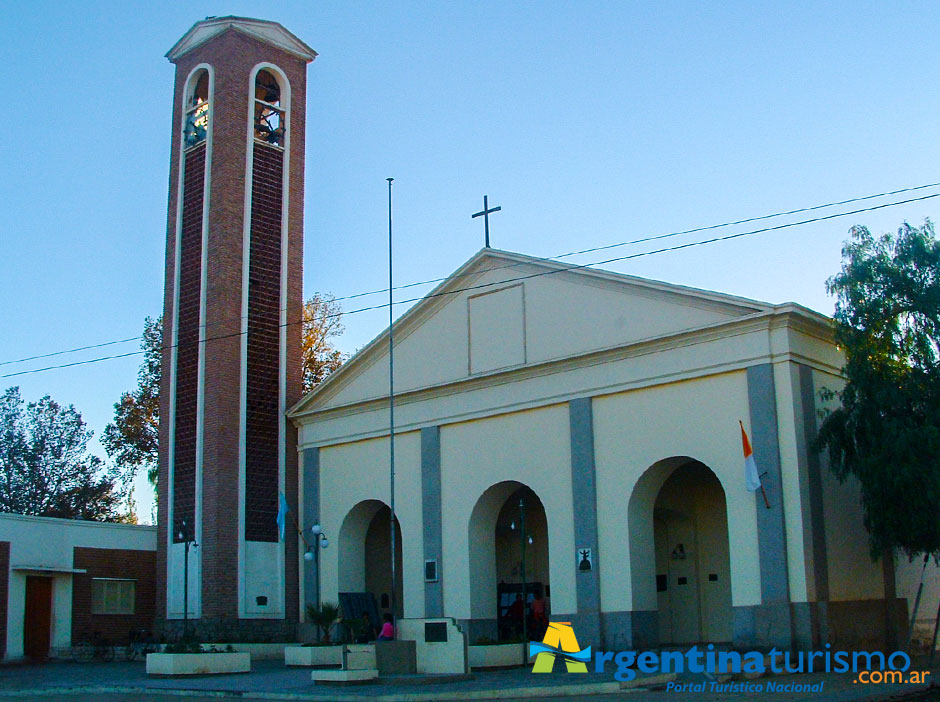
[[232, 312]]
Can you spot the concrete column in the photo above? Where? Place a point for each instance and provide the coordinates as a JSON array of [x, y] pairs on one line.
[[769, 624], [431, 512], [584, 510], [311, 503]]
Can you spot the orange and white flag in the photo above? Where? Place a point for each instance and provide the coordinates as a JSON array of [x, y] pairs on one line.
[[751, 476]]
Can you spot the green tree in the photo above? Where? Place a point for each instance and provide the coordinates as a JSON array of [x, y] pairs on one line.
[[886, 431], [45, 467], [132, 439]]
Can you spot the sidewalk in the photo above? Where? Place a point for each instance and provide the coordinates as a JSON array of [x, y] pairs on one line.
[[271, 680]]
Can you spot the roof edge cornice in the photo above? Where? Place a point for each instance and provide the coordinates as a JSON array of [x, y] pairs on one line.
[[265, 31]]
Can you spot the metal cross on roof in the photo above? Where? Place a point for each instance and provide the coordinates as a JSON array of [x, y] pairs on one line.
[[485, 213]]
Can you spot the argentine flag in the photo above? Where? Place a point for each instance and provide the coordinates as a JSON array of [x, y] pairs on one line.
[[282, 512]]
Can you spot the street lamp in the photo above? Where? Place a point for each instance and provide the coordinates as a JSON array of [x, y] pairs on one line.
[[313, 553], [188, 541]]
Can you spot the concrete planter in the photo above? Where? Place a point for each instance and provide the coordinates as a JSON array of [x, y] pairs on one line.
[[197, 663], [496, 655], [313, 656], [257, 651]]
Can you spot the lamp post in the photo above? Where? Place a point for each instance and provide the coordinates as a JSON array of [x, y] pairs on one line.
[[187, 540], [313, 553]]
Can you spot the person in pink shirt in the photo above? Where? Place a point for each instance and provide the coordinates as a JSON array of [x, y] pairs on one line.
[[388, 629]]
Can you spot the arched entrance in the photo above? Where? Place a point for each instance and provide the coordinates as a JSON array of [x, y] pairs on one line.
[[508, 545], [679, 524], [365, 555]]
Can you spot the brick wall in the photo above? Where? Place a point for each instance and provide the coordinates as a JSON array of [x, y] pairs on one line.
[[264, 333], [188, 346], [113, 563], [4, 593]]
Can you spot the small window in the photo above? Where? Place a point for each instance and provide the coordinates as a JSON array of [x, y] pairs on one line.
[[112, 596], [197, 111], [269, 114]]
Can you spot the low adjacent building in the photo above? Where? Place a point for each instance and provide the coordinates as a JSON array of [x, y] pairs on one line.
[[64, 580]]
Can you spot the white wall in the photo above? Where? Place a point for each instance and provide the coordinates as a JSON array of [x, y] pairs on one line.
[[46, 545], [354, 472], [532, 448], [563, 314], [633, 431]]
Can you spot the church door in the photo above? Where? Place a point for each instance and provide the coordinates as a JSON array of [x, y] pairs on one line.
[[693, 572]]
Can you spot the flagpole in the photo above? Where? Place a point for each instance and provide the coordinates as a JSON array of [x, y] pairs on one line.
[[391, 406]]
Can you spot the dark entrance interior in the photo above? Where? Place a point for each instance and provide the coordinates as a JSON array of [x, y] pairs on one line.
[[37, 626]]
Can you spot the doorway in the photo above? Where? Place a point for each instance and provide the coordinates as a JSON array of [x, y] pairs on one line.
[[692, 558], [37, 625]]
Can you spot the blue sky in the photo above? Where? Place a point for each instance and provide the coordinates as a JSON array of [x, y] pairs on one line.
[[589, 123]]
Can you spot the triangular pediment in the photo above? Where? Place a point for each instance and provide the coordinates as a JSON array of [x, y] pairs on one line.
[[262, 30], [503, 311]]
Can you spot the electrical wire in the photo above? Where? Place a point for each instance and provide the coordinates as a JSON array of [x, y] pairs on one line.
[[567, 268], [80, 348]]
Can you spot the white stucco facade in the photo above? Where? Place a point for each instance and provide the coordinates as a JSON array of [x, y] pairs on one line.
[[493, 371]]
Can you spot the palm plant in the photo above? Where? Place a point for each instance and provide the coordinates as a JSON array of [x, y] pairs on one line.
[[325, 617]]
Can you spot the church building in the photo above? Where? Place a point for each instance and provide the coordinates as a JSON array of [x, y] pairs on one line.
[[561, 433]]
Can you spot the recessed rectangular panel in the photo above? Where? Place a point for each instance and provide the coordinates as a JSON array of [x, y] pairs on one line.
[[263, 586], [188, 346], [497, 329], [262, 412]]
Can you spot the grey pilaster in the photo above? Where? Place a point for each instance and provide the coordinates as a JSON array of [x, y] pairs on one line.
[[762, 400], [770, 623], [584, 496], [431, 513], [311, 502]]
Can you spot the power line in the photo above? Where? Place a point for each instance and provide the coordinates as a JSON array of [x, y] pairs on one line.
[[567, 268], [69, 365], [670, 234], [61, 353], [515, 265]]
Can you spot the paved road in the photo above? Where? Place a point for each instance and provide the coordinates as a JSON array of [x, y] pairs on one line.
[[642, 696], [48, 683], [623, 697]]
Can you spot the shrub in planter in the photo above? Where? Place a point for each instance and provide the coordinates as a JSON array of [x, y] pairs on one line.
[[191, 658], [324, 617], [195, 647]]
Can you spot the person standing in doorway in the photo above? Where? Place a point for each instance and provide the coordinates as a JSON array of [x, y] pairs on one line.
[[539, 618]]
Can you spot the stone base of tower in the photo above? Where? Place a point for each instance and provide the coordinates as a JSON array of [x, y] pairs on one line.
[[230, 630]]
